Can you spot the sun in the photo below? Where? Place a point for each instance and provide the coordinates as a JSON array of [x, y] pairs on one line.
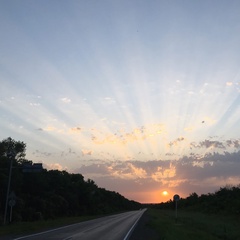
[[164, 193]]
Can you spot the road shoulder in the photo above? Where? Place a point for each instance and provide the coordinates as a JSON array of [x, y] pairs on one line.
[[143, 231]]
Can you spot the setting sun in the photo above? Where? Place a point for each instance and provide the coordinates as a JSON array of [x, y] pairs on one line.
[[164, 193]]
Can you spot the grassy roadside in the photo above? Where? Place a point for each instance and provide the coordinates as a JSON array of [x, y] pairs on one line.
[[193, 225], [24, 228]]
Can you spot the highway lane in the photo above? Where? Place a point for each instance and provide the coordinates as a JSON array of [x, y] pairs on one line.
[[114, 227]]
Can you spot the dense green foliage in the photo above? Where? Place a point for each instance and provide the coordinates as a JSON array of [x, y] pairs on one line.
[[193, 225], [52, 194]]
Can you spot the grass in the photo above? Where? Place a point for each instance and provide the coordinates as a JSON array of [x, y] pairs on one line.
[[193, 225], [189, 225], [24, 228]]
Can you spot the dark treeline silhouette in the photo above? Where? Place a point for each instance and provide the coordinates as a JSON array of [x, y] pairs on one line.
[[51, 194], [226, 200]]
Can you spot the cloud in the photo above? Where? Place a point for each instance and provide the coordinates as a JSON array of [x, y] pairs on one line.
[[233, 143], [70, 151], [189, 129], [50, 128], [125, 137], [75, 129], [176, 141], [164, 173], [86, 152], [107, 101], [38, 153], [197, 173], [54, 166], [128, 171], [153, 171], [94, 169], [210, 165], [66, 100], [34, 104], [214, 144], [170, 154], [229, 84]]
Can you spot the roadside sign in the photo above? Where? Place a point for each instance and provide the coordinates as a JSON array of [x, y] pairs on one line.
[[30, 168], [176, 197], [12, 203]]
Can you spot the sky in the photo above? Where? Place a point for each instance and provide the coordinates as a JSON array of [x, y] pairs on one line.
[[140, 96]]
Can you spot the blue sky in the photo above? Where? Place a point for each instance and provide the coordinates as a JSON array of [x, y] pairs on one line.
[[136, 95]]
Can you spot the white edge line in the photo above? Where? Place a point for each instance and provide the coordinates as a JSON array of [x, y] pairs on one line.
[[36, 234], [52, 230], [131, 229]]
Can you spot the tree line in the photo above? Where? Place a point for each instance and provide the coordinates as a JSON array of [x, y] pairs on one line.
[[47, 194], [225, 201]]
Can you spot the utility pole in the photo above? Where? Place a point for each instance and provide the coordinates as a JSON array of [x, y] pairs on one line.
[[10, 156]]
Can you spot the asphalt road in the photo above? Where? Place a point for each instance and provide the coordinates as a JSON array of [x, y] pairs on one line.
[[114, 227]]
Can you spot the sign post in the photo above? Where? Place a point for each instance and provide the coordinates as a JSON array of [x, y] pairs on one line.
[[11, 203], [176, 199]]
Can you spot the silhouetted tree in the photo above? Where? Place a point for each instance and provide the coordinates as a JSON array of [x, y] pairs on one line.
[[54, 193]]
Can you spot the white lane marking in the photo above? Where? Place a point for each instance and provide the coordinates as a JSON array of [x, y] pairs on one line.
[[36, 234], [55, 229], [131, 229]]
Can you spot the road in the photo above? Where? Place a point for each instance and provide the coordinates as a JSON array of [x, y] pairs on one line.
[[114, 227]]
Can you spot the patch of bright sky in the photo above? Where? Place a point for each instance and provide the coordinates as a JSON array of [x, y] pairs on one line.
[[118, 80]]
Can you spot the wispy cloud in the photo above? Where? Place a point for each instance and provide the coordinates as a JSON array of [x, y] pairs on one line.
[[50, 129], [34, 104], [176, 141], [214, 144], [127, 171], [66, 100], [39, 153], [76, 129], [86, 152], [124, 137], [229, 84], [55, 166]]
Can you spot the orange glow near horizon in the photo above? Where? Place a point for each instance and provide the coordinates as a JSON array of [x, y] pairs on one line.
[[164, 193], [150, 197]]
